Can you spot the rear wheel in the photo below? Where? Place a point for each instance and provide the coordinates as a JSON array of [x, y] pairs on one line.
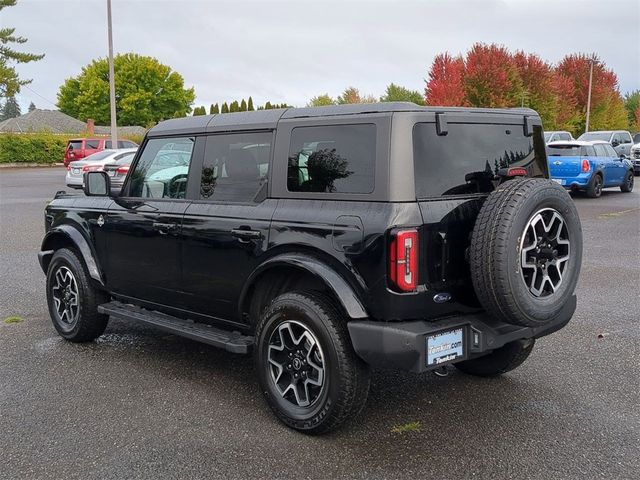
[[310, 375], [594, 189], [73, 300], [501, 360], [627, 183]]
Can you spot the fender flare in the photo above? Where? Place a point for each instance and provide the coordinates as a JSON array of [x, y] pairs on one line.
[[73, 235], [338, 285]]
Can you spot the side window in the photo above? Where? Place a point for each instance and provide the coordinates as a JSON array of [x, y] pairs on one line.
[[332, 159], [566, 137], [235, 166], [610, 151], [588, 151], [107, 144], [626, 137], [600, 150], [127, 144], [92, 144], [162, 173]]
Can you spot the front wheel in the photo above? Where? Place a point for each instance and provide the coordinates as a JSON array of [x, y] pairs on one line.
[[72, 299], [627, 183], [307, 369]]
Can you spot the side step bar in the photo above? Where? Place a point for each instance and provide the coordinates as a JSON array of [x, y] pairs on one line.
[[233, 342]]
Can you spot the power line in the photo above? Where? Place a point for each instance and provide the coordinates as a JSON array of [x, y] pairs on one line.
[[43, 98]]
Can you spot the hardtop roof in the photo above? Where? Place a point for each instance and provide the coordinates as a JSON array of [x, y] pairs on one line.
[[268, 119]]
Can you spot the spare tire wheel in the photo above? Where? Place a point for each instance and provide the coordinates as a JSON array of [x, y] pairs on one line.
[[526, 251]]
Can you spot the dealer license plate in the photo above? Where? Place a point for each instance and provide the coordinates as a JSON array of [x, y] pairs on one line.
[[559, 180], [444, 347]]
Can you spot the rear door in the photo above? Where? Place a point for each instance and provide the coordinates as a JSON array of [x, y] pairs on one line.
[[226, 229], [143, 226]]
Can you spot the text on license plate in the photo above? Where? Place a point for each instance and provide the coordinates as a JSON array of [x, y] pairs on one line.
[[444, 347], [76, 170]]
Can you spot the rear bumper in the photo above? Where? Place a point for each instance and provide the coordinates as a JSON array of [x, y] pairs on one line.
[[403, 345], [579, 182]]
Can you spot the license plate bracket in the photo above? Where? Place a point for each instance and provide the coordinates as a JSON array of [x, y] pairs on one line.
[[445, 346]]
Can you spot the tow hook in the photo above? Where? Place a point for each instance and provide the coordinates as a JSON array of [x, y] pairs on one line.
[[442, 371]]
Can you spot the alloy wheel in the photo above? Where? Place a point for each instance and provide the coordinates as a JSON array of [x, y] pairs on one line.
[[66, 297], [544, 252], [296, 363]]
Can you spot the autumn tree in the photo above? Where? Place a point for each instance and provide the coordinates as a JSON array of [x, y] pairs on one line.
[[10, 82], [537, 82], [491, 77], [607, 106], [445, 85], [352, 95], [321, 101], [396, 93], [146, 91]]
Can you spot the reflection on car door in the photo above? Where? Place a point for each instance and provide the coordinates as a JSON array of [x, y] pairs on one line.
[[143, 227]]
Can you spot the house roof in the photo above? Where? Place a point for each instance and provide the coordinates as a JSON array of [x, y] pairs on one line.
[[55, 121]]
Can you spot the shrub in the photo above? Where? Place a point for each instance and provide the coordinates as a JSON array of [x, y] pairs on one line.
[[32, 147]]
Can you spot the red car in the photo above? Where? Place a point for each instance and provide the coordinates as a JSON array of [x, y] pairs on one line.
[[78, 148]]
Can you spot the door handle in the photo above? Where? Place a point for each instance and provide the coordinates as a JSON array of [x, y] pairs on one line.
[[165, 228], [244, 235]]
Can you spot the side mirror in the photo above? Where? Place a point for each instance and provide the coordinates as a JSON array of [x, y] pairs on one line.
[[615, 143], [623, 156], [97, 184]]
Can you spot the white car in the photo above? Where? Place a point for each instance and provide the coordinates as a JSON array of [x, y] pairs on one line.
[[93, 163], [634, 156], [557, 135]]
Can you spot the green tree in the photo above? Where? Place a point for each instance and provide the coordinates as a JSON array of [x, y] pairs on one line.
[[267, 106], [234, 107], [225, 108], [32, 107], [250, 104], [146, 92], [321, 101], [396, 93], [632, 104], [10, 109], [10, 82], [199, 111], [243, 106]]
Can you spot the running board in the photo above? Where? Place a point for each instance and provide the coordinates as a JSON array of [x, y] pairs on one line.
[[233, 342]]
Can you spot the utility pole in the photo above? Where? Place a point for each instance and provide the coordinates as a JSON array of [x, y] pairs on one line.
[[112, 82], [586, 127]]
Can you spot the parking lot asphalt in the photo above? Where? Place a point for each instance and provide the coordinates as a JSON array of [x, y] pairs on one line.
[[138, 403]]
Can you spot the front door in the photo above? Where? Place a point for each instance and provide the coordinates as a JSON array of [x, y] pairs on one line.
[[226, 229], [143, 226]]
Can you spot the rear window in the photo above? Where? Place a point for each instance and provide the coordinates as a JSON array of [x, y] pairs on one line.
[[124, 159], [466, 159], [98, 156], [332, 159], [593, 136], [565, 151]]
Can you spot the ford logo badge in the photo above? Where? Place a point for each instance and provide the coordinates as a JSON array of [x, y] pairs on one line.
[[442, 297]]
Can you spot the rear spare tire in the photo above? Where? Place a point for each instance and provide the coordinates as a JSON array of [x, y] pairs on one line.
[[526, 252]]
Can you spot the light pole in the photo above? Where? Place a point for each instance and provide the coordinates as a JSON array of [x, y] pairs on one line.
[[112, 83], [586, 127]]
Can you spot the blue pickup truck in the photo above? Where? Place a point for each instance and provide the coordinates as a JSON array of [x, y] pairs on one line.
[[589, 167]]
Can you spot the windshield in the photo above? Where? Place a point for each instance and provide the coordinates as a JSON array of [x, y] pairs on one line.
[[547, 136], [591, 136], [564, 151], [467, 159]]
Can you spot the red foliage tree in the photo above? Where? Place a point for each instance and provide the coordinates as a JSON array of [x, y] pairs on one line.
[[491, 77], [445, 85], [537, 81]]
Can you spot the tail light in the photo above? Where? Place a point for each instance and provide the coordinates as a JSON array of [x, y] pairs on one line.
[[403, 260], [517, 172], [68, 167], [586, 166], [123, 170], [92, 168]]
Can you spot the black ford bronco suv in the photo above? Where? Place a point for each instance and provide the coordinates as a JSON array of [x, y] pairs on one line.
[[326, 241]]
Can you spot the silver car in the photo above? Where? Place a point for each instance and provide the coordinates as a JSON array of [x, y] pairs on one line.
[[93, 163]]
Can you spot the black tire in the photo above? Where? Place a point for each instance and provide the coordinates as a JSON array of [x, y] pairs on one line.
[[594, 189], [505, 231], [627, 183], [345, 384], [81, 324], [501, 360]]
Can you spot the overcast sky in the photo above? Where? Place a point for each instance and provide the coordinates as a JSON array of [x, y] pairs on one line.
[[290, 51]]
